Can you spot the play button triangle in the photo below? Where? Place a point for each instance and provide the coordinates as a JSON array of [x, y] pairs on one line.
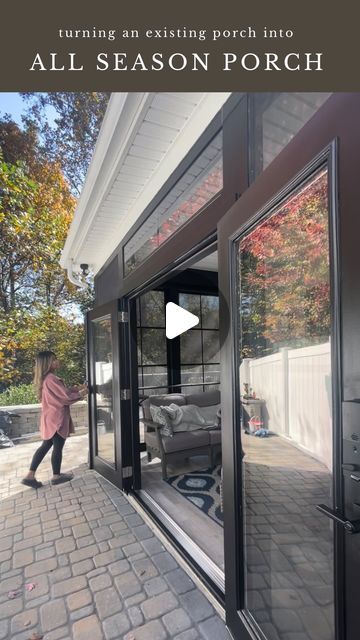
[[178, 320]]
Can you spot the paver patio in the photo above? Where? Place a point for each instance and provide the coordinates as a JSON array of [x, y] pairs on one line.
[[98, 570]]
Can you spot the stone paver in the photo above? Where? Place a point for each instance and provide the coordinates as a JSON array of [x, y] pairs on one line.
[[99, 571]]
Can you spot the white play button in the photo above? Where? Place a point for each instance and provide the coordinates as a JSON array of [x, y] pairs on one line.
[[178, 320]]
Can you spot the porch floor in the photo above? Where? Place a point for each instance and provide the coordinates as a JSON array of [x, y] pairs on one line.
[[204, 531], [98, 570]]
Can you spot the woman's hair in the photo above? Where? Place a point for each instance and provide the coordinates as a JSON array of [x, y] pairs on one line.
[[43, 363]]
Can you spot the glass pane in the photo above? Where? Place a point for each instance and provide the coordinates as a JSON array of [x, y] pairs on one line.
[[210, 312], [156, 392], [211, 346], [200, 183], [190, 347], [104, 388], [153, 346], [188, 390], [191, 374], [154, 377], [284, 323], [152, 309], [278, 117], [190, 302], [212, 387], [211, 373]]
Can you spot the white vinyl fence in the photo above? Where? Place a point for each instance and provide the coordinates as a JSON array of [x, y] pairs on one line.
[[296, 387]]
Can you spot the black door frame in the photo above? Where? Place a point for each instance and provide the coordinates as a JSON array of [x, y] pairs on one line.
[[200, 563], [207, 246], [335, 122], [119, 472]]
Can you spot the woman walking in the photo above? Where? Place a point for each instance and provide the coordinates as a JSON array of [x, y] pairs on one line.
[[55, 423]]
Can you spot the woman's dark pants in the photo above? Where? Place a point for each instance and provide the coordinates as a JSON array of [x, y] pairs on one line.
[[57, 442]]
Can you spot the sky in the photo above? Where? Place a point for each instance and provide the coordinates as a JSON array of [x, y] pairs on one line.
[[13, 104]]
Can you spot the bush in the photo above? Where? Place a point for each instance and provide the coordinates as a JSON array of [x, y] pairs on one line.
[[20, 394]]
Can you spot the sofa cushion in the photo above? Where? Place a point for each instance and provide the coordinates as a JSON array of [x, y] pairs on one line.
[[204, 399], [161, 400], [185, 440], [215, 436], [180, 441]]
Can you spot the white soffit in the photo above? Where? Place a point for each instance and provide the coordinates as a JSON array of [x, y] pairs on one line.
[[143, 138]]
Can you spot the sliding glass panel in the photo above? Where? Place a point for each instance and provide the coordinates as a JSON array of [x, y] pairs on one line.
[[287, 431], [103, 350], [195, 189]]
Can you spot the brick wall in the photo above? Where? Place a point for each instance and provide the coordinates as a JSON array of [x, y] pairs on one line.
[[29, 419]]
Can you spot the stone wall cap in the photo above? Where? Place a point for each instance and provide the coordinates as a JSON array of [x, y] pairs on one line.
[[33, 407]]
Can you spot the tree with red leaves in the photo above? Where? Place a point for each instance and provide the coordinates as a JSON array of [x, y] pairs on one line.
[[284, 274]]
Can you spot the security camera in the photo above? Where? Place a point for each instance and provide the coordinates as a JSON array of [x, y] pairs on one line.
[[85, 269]]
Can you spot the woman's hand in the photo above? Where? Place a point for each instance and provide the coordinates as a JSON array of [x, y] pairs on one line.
[[83, 390]]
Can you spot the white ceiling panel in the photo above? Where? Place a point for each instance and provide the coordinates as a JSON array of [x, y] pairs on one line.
[[166, 102], [142, 152], [157, 131], [165, 119], [151, 143]]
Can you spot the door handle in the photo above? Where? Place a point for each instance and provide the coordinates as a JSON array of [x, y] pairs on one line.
[[349, 526]]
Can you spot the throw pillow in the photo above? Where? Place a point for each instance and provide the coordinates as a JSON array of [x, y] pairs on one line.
[[161, 417]]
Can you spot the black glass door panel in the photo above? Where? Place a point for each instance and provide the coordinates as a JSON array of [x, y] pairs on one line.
[[289, 264], [104, 365], [104, 346], [284, 326]]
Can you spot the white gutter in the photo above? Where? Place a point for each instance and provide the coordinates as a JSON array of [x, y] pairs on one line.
[[74, 278]]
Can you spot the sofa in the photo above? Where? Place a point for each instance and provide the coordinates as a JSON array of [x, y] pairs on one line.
[[201, 440]]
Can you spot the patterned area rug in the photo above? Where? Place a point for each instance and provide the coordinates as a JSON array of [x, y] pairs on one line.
[[202, 488]]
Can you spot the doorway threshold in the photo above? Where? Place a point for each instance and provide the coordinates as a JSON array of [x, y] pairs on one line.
[[204, 567]]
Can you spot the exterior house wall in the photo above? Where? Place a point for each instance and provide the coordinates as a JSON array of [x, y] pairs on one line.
[[107, 284]]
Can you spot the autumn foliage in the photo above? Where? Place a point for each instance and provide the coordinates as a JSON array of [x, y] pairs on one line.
[[284, 275], [36, 298]]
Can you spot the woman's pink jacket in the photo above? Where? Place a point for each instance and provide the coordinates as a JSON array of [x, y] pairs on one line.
[[55, 407]]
